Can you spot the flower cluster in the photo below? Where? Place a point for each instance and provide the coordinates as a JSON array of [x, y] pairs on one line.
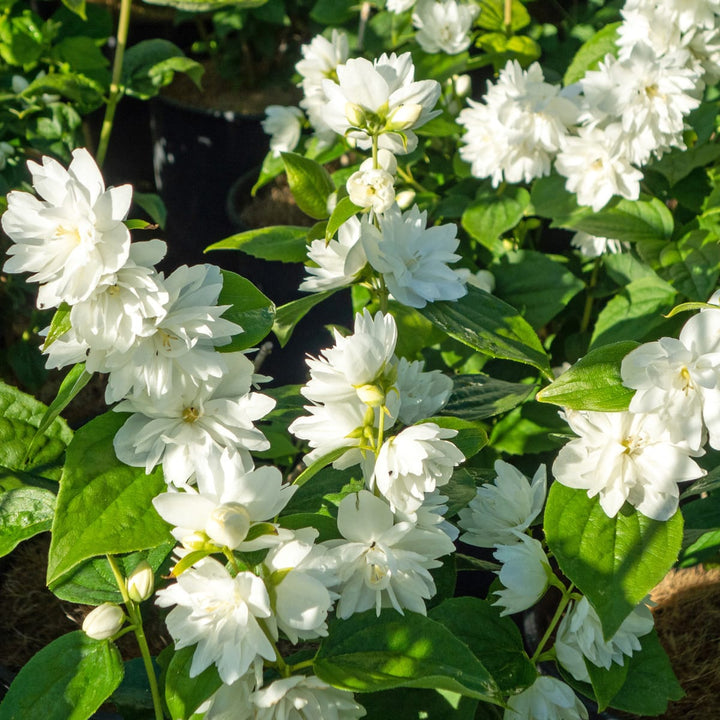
[[601, 130]]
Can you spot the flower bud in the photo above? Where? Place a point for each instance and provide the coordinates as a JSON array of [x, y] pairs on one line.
[[462, 84], [228, 525], [141, 582], [104, 621], [371, 395], [404, 116], [405, 198], [355, 115], [386, 161]]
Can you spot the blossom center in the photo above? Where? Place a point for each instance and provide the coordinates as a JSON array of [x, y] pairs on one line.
[[686, 380], [190, 414], [634, 444]]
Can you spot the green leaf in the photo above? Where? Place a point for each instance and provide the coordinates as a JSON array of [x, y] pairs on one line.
[[87, 94], [616, 561], [250, 309], [692, 264], [310, 184], [184, 694], [104, 506], [530, 428], [535, 283], [607, 683], [415, 704], [676, 165], [24, 512], [153, 205], [287, 243], [650, 682], [290, 314], [593, 382], [92, 582], [494, 640], [151, 64], [344, 210], [81, 53], [635, 313], [59, 325], [324, 524], [590, 54], [476, 397], [318, 465], [500, 48], [67, 680], [76, 6], [471, 437], [460, 490], [367, 653], [75, 380], [492, 15], [491, 215], [490, 326], [333, 12], [20, 417]]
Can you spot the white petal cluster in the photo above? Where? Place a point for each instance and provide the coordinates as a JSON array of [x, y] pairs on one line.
[[625, 457], [592, 246], [546, 699], [372, 188], [321, 58], [525, 573], [502, 509], [580, 638], [284, 125], [337, 263], [380, 98], [74, 236], [412, 258], [444, 25], [679, 381], [413, 463], [382, 563], [222, 615], [184, 431], [514, 133]]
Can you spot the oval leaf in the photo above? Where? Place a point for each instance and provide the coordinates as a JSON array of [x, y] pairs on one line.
[[24, 512], [251, 310], [593, 382], [286, 243], [310, 184], [67, 680], [614, 561]]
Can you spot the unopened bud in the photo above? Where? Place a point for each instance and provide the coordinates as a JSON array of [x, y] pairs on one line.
[[386, 161], [404, 116], [462, 84], [355, 115], [228, 525], [141, 582], [371, 395], [405, 198], [104, 621]]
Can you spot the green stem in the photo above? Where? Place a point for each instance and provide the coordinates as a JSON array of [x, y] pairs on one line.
[[567, 592], [133, 612], [410, 180], [301, 665], [116, 91], [587, 312], [282, 667], [376, 164], [507, 16]]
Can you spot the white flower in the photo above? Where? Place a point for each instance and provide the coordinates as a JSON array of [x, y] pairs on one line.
[[580, 637], [184, 430], [380, 98], [497, 511], [431, 515], [444, 25], [546, 699], [524, 573], [125, 305], [597, 167], [180, 351], [321, 58], [515, 132], [385, 160], [383, 563], [230, 498], [623, 456], [398, 6], [412, 258], [359, 368], [483, 280], [232, 702], [678, 380], [592, 246], [648, 95], [373, 188], [284, 125], [304, 698], [222, 614], [422, 393], [104, 621], [300, 573], [71, 238], [414, 463], [337, 263]]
